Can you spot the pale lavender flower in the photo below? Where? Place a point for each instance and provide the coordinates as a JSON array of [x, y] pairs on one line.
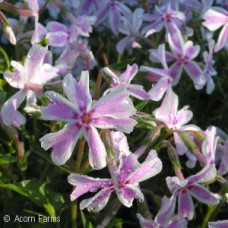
[[125, 179], [174, 222], [183, 55], [29, 79], [125, 79], [218, 224], [164, 16], [130, 27], [83, 117], [39, 30], [214, 19], [209, 71], [165, 81], [175, 119], [113, 10], [184, 190], [59, 35], [210, 144]]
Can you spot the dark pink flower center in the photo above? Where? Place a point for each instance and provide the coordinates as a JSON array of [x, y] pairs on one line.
[[85, 117]]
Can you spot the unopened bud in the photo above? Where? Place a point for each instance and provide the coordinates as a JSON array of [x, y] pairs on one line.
[[10, 35]]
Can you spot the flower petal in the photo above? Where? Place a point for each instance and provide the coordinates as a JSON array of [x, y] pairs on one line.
[[222, 39], [195, 73], [97, 202], [115, 104], [78, 92], [214, 19], [9, 113], [125, 125], [127, 193], [18, 78], [86, 184], [34, 60], [185, 205], [62, 141], [129, 74], [208, 173], [149, 168], [203, 195], [59, 109], [218, 224], [97, 153]]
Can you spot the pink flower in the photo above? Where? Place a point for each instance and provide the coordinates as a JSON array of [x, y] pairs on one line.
[[175, 119], [125, 79], [124, 181], [183, 54], [184, 190], [29, 79], [83, 117], [214, 20]]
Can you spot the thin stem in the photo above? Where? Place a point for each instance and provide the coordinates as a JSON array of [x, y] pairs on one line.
[[74, 206], [98, 86], [80, 154]]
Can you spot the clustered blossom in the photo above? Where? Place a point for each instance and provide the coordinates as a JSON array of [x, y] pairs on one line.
[[83, 117], [125, 179], [29, 79], [66, 54]]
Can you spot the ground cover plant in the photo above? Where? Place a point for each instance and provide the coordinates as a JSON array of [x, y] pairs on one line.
[[114, 113]]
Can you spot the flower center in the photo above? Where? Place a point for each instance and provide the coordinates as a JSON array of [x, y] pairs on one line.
[[85, 118]]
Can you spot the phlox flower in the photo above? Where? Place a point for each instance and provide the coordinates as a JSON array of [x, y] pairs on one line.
[[125, 179], [182, 54], [175, 119], [209, 71], [184, 190], [164, 16], [125, 79], [83, 117], [39, 30], [218, 224], [210, 144], [214, 19], [29, 79], [164, 75], [113, 11], [174, 222], [130, 27]]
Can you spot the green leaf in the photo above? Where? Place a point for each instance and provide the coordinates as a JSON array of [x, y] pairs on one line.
[[39, 193], [121, 65], [85, 223], [4, 61], [6, 159]]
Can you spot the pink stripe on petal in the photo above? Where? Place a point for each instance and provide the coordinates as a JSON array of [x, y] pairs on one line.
[[185, 205], [57, 39], [63, 143], [203, 195], [97, 153]]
